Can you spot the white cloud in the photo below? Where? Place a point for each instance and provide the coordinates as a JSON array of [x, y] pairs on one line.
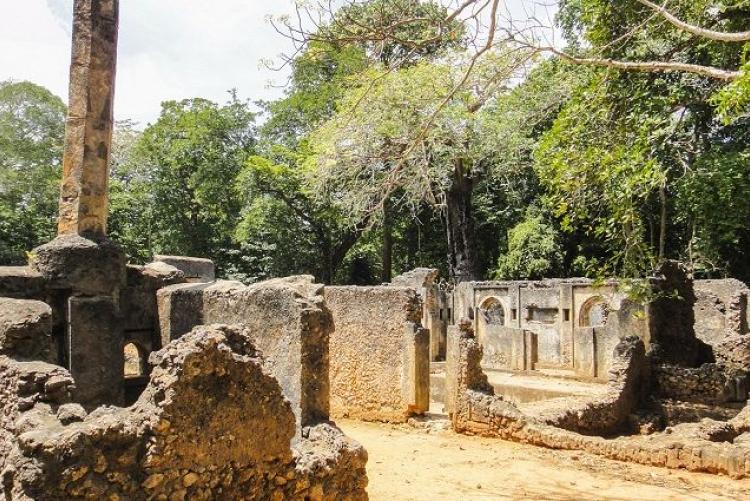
[[169, 49]]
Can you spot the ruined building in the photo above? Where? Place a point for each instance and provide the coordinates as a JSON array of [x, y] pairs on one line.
[[162, 382], [216, 412]]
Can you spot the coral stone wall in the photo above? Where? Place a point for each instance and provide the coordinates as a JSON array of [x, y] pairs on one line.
[[720, 309], [379, 353], [287, 320], [212, 424], [708, 384], [710, 446]]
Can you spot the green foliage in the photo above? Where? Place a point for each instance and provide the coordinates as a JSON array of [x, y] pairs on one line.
[[175, 193], [319, 77], [733, 101], [32, 128], [617, 164], [407, 129], [534, 251], [713, 198], [599, 175]]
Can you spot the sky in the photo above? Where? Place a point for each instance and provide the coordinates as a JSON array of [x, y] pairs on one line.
[[168, 49]]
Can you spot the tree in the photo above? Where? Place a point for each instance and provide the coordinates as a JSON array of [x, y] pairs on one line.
[[534, 251], [619, 155], [32, 129], [378, 144], [487, 23], [314, 237], [182, 172], [321, 74]]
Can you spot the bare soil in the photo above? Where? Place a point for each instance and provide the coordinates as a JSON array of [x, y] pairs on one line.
[[407, 463]]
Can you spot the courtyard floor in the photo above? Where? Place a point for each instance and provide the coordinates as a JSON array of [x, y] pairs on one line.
[[407, 463]]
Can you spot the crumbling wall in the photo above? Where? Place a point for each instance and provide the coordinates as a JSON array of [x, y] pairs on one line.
[[379, 353], [287, 320], [608, 414], [720, 309], [671, 318], [711, 384], [212, 424], [474, 409], [435, 310]]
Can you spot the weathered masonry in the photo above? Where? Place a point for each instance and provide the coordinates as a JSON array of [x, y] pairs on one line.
[[98, 400]]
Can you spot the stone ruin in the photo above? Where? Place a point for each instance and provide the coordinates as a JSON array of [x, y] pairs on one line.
[[110, 390], [574, 364], [161, 382]]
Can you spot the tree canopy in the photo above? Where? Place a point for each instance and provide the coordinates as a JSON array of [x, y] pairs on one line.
[[440, 134]]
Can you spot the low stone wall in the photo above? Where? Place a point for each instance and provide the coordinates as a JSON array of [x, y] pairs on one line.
[[708, 384], [379, 353], [213, 423], [474, 409]]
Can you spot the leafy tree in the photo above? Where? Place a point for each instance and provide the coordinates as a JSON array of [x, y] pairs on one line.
[[314, 237], [534, 251], [178, 192], [411, 133], [713, 201], [32, 129], [614, 162]]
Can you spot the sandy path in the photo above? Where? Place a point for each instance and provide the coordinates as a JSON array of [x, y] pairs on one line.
[[411, 464]]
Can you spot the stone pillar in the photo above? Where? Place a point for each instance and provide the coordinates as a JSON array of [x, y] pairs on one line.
[[85, 268], [88, 133]]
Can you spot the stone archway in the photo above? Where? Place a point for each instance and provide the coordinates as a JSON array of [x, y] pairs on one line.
[[135, 360], [492, 311], [593, 312]]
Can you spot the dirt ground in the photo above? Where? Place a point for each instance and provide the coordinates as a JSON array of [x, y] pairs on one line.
[[407, 463]]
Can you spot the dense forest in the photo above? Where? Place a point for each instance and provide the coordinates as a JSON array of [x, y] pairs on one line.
[[385, 154]]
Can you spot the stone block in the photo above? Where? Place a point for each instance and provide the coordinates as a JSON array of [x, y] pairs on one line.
[[288, 322], [21, 282], [86, 267], [26, 330], [180, 308], [195, 269], [95, 348], [138, 297], [286, 319], [369, 353]]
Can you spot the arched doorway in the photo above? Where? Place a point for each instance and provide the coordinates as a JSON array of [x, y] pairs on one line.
[[135, 361], [492, 311], [593, 312]]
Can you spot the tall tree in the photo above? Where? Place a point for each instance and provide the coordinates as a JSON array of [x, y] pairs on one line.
[[379, 143], [32, 126], [183, 168]]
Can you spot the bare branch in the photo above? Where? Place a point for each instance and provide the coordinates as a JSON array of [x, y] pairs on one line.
[[647, 66], [719, 36]]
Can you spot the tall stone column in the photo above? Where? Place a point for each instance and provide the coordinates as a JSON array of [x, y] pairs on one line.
[[88, 134], [85, 268]]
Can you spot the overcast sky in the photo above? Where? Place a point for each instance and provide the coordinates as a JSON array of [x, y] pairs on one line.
[[169, 49]]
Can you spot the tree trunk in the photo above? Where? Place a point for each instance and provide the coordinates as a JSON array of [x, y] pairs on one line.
[[662, 222], [385, 276], [462, 258]]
